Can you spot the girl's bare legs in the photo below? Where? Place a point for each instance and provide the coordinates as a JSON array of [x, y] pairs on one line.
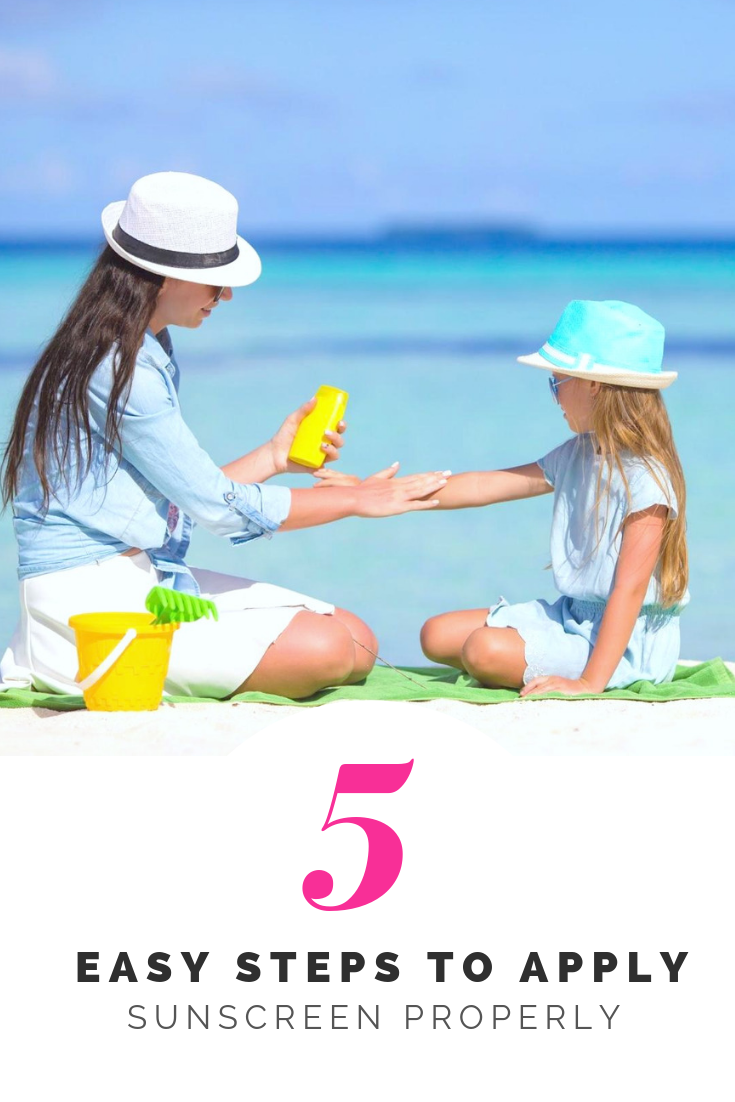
[[314, 651], [444, 636], [495, 657]]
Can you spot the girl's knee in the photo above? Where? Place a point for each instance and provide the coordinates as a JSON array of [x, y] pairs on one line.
[[432, 639], [492, 653]]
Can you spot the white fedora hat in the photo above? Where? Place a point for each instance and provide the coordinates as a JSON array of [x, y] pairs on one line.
[[182, 226]]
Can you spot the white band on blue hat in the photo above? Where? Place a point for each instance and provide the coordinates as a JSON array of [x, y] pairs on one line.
[[562, 359], [585, 362]]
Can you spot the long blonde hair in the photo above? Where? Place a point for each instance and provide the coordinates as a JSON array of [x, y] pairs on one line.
[[635, 420]]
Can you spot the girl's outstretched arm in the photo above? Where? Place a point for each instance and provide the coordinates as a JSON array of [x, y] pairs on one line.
[[639, 554], [473, 488]]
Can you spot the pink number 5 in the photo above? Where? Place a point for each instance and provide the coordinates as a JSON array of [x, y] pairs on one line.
[[385, 852]]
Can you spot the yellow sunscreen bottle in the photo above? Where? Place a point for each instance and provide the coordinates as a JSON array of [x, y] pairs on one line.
[[306, 449]]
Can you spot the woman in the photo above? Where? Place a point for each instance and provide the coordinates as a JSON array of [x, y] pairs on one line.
[[106, 479]]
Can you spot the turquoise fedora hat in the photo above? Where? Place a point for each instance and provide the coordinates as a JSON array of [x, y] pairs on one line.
[[608, 342]]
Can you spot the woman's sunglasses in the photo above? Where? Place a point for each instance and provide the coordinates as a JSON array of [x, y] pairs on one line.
[[554, 385]]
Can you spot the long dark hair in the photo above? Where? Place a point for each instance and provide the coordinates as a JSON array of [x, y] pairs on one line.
[[114, 306]]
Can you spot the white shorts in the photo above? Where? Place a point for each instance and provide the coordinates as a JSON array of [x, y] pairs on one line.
[[208, 658]]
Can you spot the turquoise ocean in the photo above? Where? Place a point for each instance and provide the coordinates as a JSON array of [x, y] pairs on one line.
[[424, 339]]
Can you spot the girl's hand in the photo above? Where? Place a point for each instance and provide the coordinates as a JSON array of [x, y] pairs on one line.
[[341, 478], [382, 495], [552, 684], [281, 443]]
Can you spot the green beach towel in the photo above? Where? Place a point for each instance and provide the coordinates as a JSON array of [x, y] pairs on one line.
[[709, 679]]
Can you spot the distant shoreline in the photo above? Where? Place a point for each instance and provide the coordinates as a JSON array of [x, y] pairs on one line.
[[470, 347], [409, 239]]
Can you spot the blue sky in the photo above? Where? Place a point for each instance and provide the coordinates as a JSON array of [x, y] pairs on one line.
[[339, 117]]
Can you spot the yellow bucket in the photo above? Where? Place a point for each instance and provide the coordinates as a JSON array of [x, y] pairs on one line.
[[123, 660]]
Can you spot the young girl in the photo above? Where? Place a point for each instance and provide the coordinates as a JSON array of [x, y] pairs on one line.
[[106, 479], [618, 549]]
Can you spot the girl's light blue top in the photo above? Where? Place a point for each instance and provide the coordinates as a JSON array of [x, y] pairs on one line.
[[584, 556], [149, 495]]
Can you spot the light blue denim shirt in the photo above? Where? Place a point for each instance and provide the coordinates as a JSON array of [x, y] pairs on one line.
[[149, 495]]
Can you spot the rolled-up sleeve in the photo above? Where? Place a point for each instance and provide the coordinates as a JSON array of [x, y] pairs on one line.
[[158, 444]]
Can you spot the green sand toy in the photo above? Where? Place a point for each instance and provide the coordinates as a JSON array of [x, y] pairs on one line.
[[171, 607]]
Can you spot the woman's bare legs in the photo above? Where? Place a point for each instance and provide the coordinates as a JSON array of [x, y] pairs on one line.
[[495, 657], [361, 634], [314, 651]]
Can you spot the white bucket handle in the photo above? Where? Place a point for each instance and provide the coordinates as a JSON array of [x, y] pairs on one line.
[[92, 678]]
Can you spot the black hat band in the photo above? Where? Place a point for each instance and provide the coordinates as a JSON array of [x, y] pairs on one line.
[[172, 258]]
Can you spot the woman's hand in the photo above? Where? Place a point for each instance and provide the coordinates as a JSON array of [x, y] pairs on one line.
[[552, 684], [281, 442], [341, 478], [382, 495], [335, 478]]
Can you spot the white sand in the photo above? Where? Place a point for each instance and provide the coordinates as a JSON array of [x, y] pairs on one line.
[[583, 727]]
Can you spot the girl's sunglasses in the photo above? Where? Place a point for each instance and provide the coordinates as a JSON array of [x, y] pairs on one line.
[[554, 385]]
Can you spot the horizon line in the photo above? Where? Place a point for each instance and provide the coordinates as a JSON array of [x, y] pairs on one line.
[[411, 235]]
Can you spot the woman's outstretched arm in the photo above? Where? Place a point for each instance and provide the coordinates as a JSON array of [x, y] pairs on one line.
[[160, 446], [375, 497], [639, 552]]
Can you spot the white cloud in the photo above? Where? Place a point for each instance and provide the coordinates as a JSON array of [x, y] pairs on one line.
[[48, 173], [26, 73], [46, 13], [259, 91]]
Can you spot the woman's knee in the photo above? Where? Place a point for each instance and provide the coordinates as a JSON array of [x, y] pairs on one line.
[[329, 651], [312, 653], [364, 644]]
